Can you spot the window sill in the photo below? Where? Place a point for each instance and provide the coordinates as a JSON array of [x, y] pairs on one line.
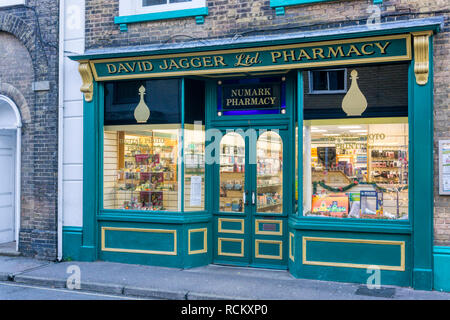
[[353, 225], [280, 4], [198, 13], [153, 216]]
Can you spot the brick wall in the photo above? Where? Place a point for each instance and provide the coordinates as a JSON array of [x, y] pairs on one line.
[[29, 53], [250, 17]]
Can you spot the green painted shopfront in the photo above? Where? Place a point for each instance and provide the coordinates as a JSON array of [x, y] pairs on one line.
[[310, 152]]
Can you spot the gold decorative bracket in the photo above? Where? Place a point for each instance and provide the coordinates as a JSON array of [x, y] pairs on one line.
[[421, 56], [86, 75]]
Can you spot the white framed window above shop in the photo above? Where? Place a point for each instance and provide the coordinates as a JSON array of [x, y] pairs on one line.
[[133, 7], [6, 3], [330, 81]]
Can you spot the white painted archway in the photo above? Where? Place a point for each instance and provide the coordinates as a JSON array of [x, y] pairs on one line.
[[10, 149]]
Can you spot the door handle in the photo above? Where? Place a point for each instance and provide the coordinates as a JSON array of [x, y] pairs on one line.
[[253, 198], [245, 195]]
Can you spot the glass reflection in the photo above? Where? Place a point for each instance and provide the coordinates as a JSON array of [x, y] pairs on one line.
[[232, 173], [269, 173]]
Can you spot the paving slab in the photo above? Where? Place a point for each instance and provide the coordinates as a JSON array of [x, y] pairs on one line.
[[208, 282], [9, 266]]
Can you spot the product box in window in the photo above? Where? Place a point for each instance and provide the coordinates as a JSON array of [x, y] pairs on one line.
[[371, 204], [330, 205]]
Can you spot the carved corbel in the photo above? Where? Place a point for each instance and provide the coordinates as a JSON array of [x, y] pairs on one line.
[[421, 56], [86, 75]]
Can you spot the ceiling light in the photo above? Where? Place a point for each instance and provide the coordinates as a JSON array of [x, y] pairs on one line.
[[349, 127]]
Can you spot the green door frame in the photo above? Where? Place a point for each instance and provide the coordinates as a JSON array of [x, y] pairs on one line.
[[250, 216]]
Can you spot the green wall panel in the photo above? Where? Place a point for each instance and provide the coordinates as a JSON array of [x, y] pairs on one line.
[[441, 270], [348, 261], [156, 241], [71, 242], [354, 253]]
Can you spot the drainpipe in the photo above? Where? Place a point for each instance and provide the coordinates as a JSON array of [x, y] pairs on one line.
[[60, 126]]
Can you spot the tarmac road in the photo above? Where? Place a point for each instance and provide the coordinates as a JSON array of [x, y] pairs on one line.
[[13, 291]]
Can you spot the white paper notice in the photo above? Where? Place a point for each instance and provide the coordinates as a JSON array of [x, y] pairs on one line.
[[446, 183], [196, 191], [444, 167]]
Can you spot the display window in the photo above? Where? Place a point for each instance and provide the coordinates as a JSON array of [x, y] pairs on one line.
[[144, 157], [141, 168], [356, 162]]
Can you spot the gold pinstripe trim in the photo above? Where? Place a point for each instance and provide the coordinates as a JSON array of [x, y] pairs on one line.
[[205, 241], [291, 246], [265, 256], [171, 253], [221, 230], [273, 233], [355, 265], [230, 254]]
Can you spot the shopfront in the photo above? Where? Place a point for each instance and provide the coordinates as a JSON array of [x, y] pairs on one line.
[[306, 152]]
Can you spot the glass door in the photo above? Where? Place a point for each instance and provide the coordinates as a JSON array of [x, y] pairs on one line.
[[250, 216], [269, 212], [232, 196]]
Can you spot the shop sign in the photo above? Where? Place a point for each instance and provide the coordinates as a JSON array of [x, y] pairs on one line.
[[304, 55], [251, 97]]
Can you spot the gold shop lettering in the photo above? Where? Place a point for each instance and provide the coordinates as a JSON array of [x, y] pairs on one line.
[[251, 97], [196, 62], [366, 49], [129, 67], [247, 60]]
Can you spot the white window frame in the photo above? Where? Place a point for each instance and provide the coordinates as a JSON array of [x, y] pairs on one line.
[[7, 3], [133, 7], [311, 89]]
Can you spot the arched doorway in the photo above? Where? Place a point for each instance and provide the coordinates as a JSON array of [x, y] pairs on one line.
[[10, 146]]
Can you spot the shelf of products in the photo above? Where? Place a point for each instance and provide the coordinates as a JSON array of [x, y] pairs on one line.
[[269, 174], [388, 165], [359, 173], [232, 177], [146, 178]]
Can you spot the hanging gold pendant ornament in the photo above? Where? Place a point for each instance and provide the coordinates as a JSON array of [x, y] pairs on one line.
[[142, 112], [354, 103]]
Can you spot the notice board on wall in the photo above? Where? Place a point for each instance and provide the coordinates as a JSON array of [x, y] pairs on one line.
[[444, 167]]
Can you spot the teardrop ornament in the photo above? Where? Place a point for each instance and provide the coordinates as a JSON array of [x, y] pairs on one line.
[[354, 102], [142, 112]]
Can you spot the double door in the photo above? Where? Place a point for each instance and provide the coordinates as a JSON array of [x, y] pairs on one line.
[[250, 197]]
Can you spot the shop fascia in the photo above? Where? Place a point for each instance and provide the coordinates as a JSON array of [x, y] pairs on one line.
[[379, 49]]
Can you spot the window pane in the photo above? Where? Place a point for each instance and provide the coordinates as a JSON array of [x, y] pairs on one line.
[[232, 173], [358, 170], [140, 167], [320, 80], [194, 166], [177, 1], [147, 3], [336, 78], [141, 145], [355, 156], [269, 171], [194, 145]]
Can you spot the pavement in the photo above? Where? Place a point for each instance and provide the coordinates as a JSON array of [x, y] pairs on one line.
[[212, 282]]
